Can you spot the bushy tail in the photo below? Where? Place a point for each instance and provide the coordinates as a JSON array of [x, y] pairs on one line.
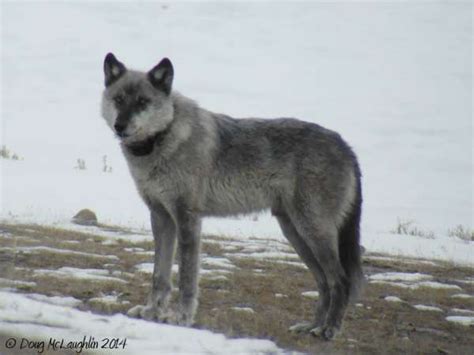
[[349, 247]]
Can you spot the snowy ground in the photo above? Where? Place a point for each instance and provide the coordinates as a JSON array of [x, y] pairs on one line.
[[35, 320], [395, 79], [52, 282]]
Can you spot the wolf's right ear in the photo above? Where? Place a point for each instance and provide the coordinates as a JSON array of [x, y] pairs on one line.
[[113, 69], [161, 76]]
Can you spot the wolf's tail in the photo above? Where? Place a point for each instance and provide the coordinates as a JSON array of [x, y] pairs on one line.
[[349, 238]]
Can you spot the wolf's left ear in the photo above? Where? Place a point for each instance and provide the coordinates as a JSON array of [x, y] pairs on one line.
[[113, 69], [161, 76]]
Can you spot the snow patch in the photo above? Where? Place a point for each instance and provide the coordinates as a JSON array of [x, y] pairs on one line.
[[56, 300], [417, 285], [243, 309], [393, 299], [422, 307], [400, 276], [463, 320], [23, 316], [14, 283], [462, 296], [219, 262], [43, 249], [465, 312], [108, 299], [83, 274], [310, 294]]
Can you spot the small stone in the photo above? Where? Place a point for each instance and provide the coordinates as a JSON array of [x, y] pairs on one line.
[[85, 217]]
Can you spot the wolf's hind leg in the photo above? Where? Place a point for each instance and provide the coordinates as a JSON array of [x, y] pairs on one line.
[[164, 232], [306, 254], [322, 237]]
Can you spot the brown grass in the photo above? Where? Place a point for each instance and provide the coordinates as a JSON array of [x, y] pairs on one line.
[[375, 327]]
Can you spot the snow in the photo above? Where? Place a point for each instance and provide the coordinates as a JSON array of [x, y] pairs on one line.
[[405, 260], [147, 268], [409, 280], [460, 311], [466, 321], [462, 296], [84, 274], [417, 285], [393, 299], [439, 285], [108, 299], [292, 263], [468, 281], [33, 319], [422, 307], [243, 309], [218, 262], [265, 255], [134, 250], [400, 276], [394, 80], [310, 294], [56, 300], [41, 249], [8, 283]]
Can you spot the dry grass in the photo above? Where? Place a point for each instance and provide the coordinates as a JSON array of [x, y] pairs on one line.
[[409, 228], [376, 326], [462, 233]]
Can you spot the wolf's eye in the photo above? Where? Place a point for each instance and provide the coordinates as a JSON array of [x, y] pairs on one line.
[[119, 99], [142, 101]]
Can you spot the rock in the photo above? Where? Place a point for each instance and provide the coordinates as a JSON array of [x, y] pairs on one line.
[[85, 217]]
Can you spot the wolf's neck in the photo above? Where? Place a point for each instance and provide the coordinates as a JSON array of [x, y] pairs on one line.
[[146, 147]]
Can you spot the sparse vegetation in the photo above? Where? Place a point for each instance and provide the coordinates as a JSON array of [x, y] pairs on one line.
[[105, 166], [462, 233], [409, 228], [371, 326], [6, 154], [81, 164]]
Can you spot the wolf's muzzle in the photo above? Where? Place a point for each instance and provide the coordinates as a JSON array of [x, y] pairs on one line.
[[120, 127]]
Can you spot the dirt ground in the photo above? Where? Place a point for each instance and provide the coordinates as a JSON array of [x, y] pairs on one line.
[[271, 288]]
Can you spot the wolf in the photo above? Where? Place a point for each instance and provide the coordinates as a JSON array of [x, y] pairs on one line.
[[189, 163]]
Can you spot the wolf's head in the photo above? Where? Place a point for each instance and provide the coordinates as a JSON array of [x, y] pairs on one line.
[[137, 105]]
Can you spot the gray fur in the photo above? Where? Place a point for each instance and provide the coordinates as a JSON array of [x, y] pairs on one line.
[[189, 163]]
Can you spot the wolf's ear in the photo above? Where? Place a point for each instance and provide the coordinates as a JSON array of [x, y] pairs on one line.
[[113, 69], [161, 76]]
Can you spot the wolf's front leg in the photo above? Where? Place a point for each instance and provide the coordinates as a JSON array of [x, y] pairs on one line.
[[189, 244], [164, 233]]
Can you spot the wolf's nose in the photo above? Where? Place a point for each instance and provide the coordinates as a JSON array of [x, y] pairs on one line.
[[119, 127]]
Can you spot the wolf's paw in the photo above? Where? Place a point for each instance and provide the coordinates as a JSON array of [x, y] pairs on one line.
[[184, 317], [303, 327], [144, 312], [149, 313], [325, 332], [135, 312]]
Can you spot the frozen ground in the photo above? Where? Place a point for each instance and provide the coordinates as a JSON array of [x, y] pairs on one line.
[[36, 320], [393, 78], [51, 295]]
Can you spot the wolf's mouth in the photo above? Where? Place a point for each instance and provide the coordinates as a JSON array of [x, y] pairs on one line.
[[122, 135]]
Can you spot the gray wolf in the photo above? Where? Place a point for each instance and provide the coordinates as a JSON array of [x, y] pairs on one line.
[[189, 163]]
